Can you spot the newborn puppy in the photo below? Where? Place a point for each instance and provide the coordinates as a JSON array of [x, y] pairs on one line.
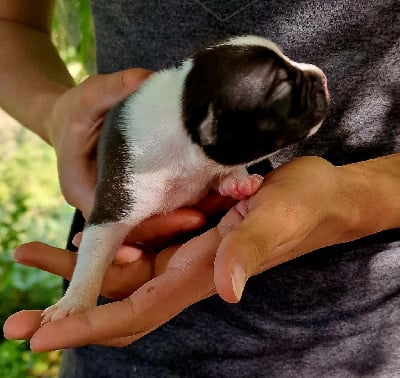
[[187, 130]]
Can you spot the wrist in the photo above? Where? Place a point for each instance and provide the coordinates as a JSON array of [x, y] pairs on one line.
[[47, 126], [32, 74], [371, 190], [44, 123]]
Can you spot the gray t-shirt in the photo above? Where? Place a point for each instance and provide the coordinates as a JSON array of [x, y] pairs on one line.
[[334, 312]]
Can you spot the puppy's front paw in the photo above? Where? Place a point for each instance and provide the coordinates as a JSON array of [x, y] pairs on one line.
[[66, 306], [240, 187]]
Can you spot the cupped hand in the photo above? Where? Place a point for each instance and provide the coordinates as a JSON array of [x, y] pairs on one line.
[[302, 206], [74, 124], [135, 262]]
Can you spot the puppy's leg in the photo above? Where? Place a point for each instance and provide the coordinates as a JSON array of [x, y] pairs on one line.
[[97, 250], [239, 184], [108, 226]]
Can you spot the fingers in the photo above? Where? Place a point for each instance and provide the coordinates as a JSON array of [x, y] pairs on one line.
[[262, 240], [22, 325], [79, 115], [133, 267], [187, 279], [119, 281], [280, 219], [230, 275], [47, 258], [162, 229], [214, 203], [113, 87]]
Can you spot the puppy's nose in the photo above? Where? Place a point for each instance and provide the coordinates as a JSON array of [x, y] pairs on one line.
[[320, 82], [324, 81], [316, 90]]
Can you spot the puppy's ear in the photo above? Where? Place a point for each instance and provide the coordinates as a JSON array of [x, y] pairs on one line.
[[208, 128]]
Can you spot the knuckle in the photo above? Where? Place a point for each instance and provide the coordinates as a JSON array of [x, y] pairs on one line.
[[138, 325], [123, 79], [131, 79], [87, 91], [258, 247]]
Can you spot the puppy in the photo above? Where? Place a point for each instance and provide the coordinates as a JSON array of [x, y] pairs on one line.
[[188, 130]]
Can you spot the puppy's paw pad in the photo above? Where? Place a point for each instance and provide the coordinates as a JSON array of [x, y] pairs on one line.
[[53, 313], [65, 307], [229, 187], [240, 187], [249, 185]]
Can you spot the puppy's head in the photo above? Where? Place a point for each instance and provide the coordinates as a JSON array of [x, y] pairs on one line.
[[244, 100]]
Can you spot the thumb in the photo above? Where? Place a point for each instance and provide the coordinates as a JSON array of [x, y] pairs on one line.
[[231, 265], [245, 249], [257, 243], [113, 88]]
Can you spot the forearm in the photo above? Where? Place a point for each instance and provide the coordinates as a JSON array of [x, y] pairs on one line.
[[374, 189], [366, 200], [32, 75]]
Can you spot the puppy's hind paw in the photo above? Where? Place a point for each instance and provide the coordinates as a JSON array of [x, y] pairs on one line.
[[65, 307], [53, 313], [240, 187]]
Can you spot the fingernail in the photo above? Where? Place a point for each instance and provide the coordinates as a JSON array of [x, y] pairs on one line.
[[239, 279], [192, 224], [76, 240]]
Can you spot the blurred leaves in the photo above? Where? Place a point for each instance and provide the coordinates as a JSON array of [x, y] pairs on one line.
[[73, 36], [31, 206], [29, 365]]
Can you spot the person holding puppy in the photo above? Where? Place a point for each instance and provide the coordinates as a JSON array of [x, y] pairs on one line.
[[312, 268]]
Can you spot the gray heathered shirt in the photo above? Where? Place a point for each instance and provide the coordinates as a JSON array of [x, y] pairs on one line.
[[334, 312]]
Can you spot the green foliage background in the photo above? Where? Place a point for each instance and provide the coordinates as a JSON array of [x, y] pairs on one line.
[[31, 206]]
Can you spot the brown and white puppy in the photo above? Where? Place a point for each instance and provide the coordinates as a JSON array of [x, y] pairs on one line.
[[186, 130]]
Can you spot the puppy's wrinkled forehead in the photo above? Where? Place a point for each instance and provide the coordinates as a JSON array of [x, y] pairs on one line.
[[252, 40], [244, 99], [236, 74]]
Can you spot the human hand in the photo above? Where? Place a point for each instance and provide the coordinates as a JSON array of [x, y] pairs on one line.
[[74, 125], [135, 262], [302, 206]]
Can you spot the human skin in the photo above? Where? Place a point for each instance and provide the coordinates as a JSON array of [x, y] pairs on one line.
[[38, 91], [302, 206]]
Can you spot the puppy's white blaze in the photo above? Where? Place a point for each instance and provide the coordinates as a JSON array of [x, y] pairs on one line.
[[307, 67], [281, 91], [254, 40], [207, 132], [314, 130]]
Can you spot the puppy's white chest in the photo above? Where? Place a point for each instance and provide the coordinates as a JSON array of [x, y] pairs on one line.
[[168, 169], [180, 184]]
